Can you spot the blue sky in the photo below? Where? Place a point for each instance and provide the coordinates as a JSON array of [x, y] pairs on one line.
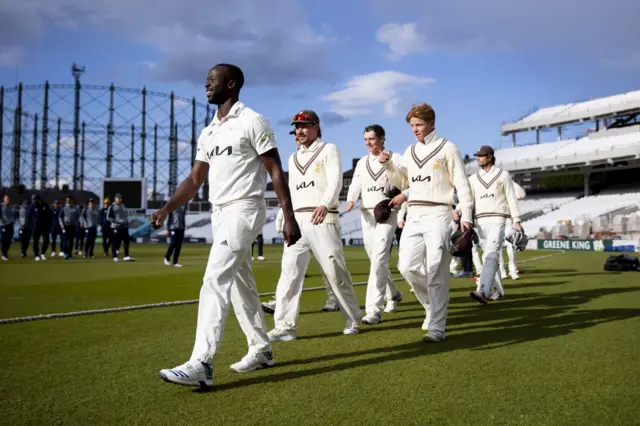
[[359, 62]]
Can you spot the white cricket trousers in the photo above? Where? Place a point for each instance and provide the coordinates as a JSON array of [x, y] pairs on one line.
[[323, 240], [491, 233], [427, 239], [378, 238], [229, 278]]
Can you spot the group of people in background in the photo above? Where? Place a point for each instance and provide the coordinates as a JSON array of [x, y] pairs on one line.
[[77, 227]]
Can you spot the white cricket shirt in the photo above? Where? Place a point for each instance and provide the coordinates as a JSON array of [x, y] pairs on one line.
[[231, 147]]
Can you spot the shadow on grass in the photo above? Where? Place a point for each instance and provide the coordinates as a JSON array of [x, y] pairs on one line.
[[523, 318]]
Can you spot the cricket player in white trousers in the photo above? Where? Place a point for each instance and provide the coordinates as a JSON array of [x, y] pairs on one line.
[[237, 149], [495, 202], [432, 169], [315, 181], [371, 181]]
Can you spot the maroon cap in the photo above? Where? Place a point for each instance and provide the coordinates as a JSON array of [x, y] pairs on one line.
[[484, 150]]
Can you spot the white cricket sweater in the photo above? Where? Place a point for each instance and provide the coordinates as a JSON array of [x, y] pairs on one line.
[[315, 179], [370, 181], [432, 170], [494, 194]]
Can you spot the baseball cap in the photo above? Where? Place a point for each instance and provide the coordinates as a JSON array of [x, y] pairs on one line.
[[484, 150], [306, 116], [382, 211], [118, 195]]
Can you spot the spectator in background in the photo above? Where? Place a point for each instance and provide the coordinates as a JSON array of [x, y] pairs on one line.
[[78, 247], [105, 227], [176, 224], [7, 220], [260, 241], [89, 218], [119, 218], [39, 215], [68, 217], [24, 229], [55, 228]]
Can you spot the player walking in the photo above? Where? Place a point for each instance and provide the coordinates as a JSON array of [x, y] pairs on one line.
[[315, 180], [495, 202], [237, 149], [432, 169], [371, 181]]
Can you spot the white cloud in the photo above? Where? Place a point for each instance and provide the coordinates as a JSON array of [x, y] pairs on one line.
[[574, 29], [377, 91], [402, 39], [272, 41]]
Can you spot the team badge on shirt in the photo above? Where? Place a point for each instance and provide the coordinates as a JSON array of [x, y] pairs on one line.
[[438, 163], [318, 166]]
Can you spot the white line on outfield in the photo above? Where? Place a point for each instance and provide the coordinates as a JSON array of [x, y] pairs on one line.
[[181, 302]]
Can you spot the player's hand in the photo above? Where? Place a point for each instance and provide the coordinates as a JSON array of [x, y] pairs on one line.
[[319, 214], [384, 157], [457, 215], [519, 227], [401, 224], [397, 200], [291, 231], [466, 226], [158, 218], [349, 206]]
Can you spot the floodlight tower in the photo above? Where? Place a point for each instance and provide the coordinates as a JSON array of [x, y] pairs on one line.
[[76, 71]]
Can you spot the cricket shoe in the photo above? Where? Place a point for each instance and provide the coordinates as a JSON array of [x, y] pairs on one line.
[[191, 373], [392, 304], [479, 296], [427, 319], [351, 328], [5, 258], [434, 336], [281, 335], [37, 258], [269, 307], [330, 306], [496, 296], [166, 262], [61, 254], [503, 275], [260, 257], [253, 361], [371, 319], [43, 257], [515, 276], [129, 259], [177, 265]]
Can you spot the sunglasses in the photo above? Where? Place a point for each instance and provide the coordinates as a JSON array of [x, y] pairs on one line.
[[303, 117]]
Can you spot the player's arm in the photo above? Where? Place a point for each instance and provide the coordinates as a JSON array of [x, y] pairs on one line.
[[355, 189], [459, 180], [263, 140], [186, 191], [61, 218], [396, 171], [512, 200], [333, 174]]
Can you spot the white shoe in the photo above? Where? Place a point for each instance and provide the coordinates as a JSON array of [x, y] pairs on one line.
[[177, 265], [479, 296], [392, 304], [351, 328], [37, 258], [53, 254], [115, 259], [427, 319], [254, 361], [129, 259], [269, 307], [496, 296], [281, 335], [330, 306], [503, 275], [515, 276], [43, 257], [5, 258], [371, 319], [260, 257], [166, 262], [434, 336], [61, 254], [191, 373]]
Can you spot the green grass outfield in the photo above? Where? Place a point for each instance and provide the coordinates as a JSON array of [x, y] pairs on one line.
[[561, 348]]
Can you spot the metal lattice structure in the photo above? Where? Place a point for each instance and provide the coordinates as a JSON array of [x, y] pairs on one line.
[[53, 135]]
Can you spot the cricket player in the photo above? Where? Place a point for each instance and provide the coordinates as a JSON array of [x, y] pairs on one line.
[[90, 217], [260, 241], [495, 202], [55, 228], [69, 218], [370, 181], [8, 215], [176, 224], [236, 149], [39, 215], [315, 181], [105, 226], [118, 216], [25, 227], [431, 169]]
